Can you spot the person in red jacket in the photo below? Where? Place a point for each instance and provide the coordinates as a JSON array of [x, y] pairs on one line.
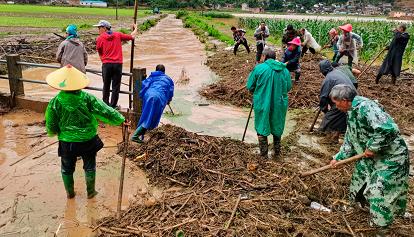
[[109, 47]]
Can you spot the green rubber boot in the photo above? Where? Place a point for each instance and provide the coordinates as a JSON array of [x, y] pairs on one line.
[[139, 132], [90, 183], [69, 185]]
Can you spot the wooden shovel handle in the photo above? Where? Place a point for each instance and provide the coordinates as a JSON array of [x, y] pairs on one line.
[[327, 167]]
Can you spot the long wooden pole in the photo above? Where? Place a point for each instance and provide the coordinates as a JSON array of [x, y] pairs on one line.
[[131, 66], [314, 120], [327, 167], [247, 123], [366, 68], [125, 138]]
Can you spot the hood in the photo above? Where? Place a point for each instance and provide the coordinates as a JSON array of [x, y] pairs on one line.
[[275, 65], [157, 73], [325, 66], [70, 100], [74, 41], [108, 35]]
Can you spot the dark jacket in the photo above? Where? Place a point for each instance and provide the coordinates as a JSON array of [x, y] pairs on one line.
[[393, 61], [289, 36], [292, 57], [72, 52]]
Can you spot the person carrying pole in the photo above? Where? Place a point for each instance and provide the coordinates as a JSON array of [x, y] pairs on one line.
[[348, 44], [72, 115], [393, 61], [238, 36], [380, 180], [109, 47], [334, 121], [156, 92], [270, 83], [291, 57], [261, 34], [72, 51]]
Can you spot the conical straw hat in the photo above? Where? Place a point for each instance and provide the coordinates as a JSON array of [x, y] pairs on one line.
[[67, 78]]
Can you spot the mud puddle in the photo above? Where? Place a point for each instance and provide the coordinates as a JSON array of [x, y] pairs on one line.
[[32, 197]]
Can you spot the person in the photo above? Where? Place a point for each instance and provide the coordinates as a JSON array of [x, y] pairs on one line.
[[333, 42], [350, 72], [270, 83], [334, 121], [380, 179], [348, 43], [72, 115], [238, 35], [393, 61], [109, 47], [261, 34], [72, 51], [291, 57], [309, 43], [156, 92], [289, 35]]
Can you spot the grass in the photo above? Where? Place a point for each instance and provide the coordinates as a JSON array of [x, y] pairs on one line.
[[43, 22], [56, 10]]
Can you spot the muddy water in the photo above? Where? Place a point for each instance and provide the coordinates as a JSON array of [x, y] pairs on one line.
[[32, 197]]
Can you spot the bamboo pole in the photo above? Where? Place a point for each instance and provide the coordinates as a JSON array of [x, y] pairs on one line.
[[131, 66]]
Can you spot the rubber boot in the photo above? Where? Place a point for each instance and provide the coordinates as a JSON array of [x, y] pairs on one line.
[[263, 145], [377, 78], [297, 76], [90, 183], [69, 185], [276, 147], [394, 80], [139, 132]]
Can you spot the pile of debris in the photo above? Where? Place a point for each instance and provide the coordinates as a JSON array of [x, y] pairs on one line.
[[234, 71], [220, 187]]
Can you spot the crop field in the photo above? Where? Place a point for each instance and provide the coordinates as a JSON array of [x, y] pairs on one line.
[[376, 34], [59, 17]]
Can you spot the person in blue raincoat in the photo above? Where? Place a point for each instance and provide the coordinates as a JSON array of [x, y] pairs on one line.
[[156, 92]]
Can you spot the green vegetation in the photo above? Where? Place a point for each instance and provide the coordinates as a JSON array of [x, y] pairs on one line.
[[202, 28], [147, 25], [376, 34], [217, 14], [12, 21], [56, 10]]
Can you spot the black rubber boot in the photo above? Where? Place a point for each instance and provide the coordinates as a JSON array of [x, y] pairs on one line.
[[276, 147], [394, 80], [377, 78], [263, 145]]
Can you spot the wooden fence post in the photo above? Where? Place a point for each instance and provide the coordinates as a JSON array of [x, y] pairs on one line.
[[138, 75], [15, 73]]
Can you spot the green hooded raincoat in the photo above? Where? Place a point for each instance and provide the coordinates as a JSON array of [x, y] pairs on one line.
[[73, 116], [386, 174], [270, 83]]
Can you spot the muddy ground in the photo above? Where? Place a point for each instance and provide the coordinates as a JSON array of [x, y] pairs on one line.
[[234, 70]]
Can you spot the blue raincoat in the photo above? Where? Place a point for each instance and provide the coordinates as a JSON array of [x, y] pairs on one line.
[[156, 91]]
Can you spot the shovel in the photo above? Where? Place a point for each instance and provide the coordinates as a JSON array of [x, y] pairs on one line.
[[327, 167]]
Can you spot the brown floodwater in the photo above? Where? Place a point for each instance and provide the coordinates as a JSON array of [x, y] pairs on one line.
[[33, 201]]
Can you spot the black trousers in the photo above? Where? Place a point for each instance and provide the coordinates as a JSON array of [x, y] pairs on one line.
[[70, 151], [350, 59], [259, 48], [244, 43], [111, 73], [305, 49]]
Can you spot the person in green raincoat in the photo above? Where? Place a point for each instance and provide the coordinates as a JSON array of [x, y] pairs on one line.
[[270, 83], [72, 115], [380, 179]]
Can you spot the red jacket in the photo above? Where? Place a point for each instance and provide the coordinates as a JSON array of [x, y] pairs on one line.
[[109, 46]]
